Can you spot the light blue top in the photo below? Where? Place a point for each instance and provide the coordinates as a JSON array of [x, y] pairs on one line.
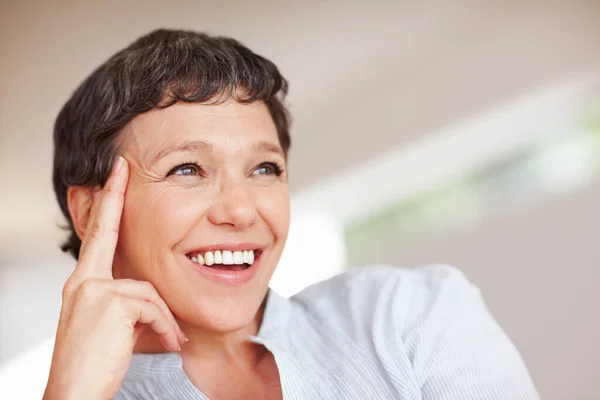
[[371, 333]]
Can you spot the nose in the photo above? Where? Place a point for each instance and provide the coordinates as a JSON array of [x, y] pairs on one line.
[[235, 206]]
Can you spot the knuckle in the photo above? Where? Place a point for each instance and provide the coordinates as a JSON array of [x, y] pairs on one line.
[[68, 289], [150, 290], [116, 304], [96, 229], [89, 288], [100, 228], [110, 190], [147, 286], [107, 190], [153, 308]]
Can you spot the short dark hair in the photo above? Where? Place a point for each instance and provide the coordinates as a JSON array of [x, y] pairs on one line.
[[156, 71]]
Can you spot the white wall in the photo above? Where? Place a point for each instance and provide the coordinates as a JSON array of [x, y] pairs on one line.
[[30, 299]]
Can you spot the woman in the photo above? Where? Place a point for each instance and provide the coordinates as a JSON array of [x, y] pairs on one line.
[[170, 167]]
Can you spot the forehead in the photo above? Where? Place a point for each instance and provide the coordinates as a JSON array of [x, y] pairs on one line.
[[228, 125]]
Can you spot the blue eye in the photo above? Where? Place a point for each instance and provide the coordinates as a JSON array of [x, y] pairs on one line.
[[187, 169], [268, 168]]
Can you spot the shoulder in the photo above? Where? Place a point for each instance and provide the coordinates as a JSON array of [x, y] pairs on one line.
[[363, 280], [430, 321], [389, 283], [396, 294]]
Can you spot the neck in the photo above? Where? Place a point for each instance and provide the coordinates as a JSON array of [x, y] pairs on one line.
[[217, 362]]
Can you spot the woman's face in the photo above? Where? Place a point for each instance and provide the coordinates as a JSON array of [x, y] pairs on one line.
[[204, 179]]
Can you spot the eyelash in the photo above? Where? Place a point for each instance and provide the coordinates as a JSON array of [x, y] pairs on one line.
[[277, 169], [188, 164]]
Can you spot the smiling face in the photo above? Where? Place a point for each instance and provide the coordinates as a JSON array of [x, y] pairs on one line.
[[204, 178]]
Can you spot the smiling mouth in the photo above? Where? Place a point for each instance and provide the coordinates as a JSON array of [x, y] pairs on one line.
[[238, 260]]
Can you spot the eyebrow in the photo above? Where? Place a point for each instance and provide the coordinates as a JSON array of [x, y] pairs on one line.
[[191, 146], [200, 145], [269, 147]]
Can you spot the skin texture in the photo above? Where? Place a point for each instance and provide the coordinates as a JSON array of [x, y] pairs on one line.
[[136, 234]]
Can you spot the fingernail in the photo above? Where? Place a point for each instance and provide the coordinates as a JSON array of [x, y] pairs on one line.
[[187, 340], [180, 349], [118, 164]]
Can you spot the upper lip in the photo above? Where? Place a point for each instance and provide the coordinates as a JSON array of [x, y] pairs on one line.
[[226, 246]]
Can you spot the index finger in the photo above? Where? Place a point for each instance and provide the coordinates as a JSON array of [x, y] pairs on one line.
[[100, 240]]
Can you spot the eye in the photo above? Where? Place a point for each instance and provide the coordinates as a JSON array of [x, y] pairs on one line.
[[187, 169], [268, 168]]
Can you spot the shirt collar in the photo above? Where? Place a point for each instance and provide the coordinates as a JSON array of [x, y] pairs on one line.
[[275, 318]]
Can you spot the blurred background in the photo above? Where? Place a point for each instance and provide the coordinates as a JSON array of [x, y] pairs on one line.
[[463, 132]]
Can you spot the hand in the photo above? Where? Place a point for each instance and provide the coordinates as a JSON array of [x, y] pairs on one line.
[[102, 317]]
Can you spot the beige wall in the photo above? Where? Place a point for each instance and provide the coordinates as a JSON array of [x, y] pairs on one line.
[[390, 71], [539, 270]]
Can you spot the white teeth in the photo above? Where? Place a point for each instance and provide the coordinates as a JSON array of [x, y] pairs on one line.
[[218, 257], [238, 257], [227, 257]]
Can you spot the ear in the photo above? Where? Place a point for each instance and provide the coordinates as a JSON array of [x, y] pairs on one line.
[[80, 200]]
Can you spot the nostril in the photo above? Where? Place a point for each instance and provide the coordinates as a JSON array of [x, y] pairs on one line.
[[233, 209]]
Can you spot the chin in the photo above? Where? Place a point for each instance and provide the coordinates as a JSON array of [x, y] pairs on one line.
[[222, 313], [226, 317], [218, 299]]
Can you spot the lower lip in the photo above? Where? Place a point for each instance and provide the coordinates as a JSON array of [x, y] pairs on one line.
[[228, 277]]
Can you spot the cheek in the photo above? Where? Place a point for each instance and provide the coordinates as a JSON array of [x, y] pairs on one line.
[[274, 206], [156, 218]]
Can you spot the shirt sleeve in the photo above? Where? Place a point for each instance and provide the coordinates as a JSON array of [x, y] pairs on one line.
[[457, 349]]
